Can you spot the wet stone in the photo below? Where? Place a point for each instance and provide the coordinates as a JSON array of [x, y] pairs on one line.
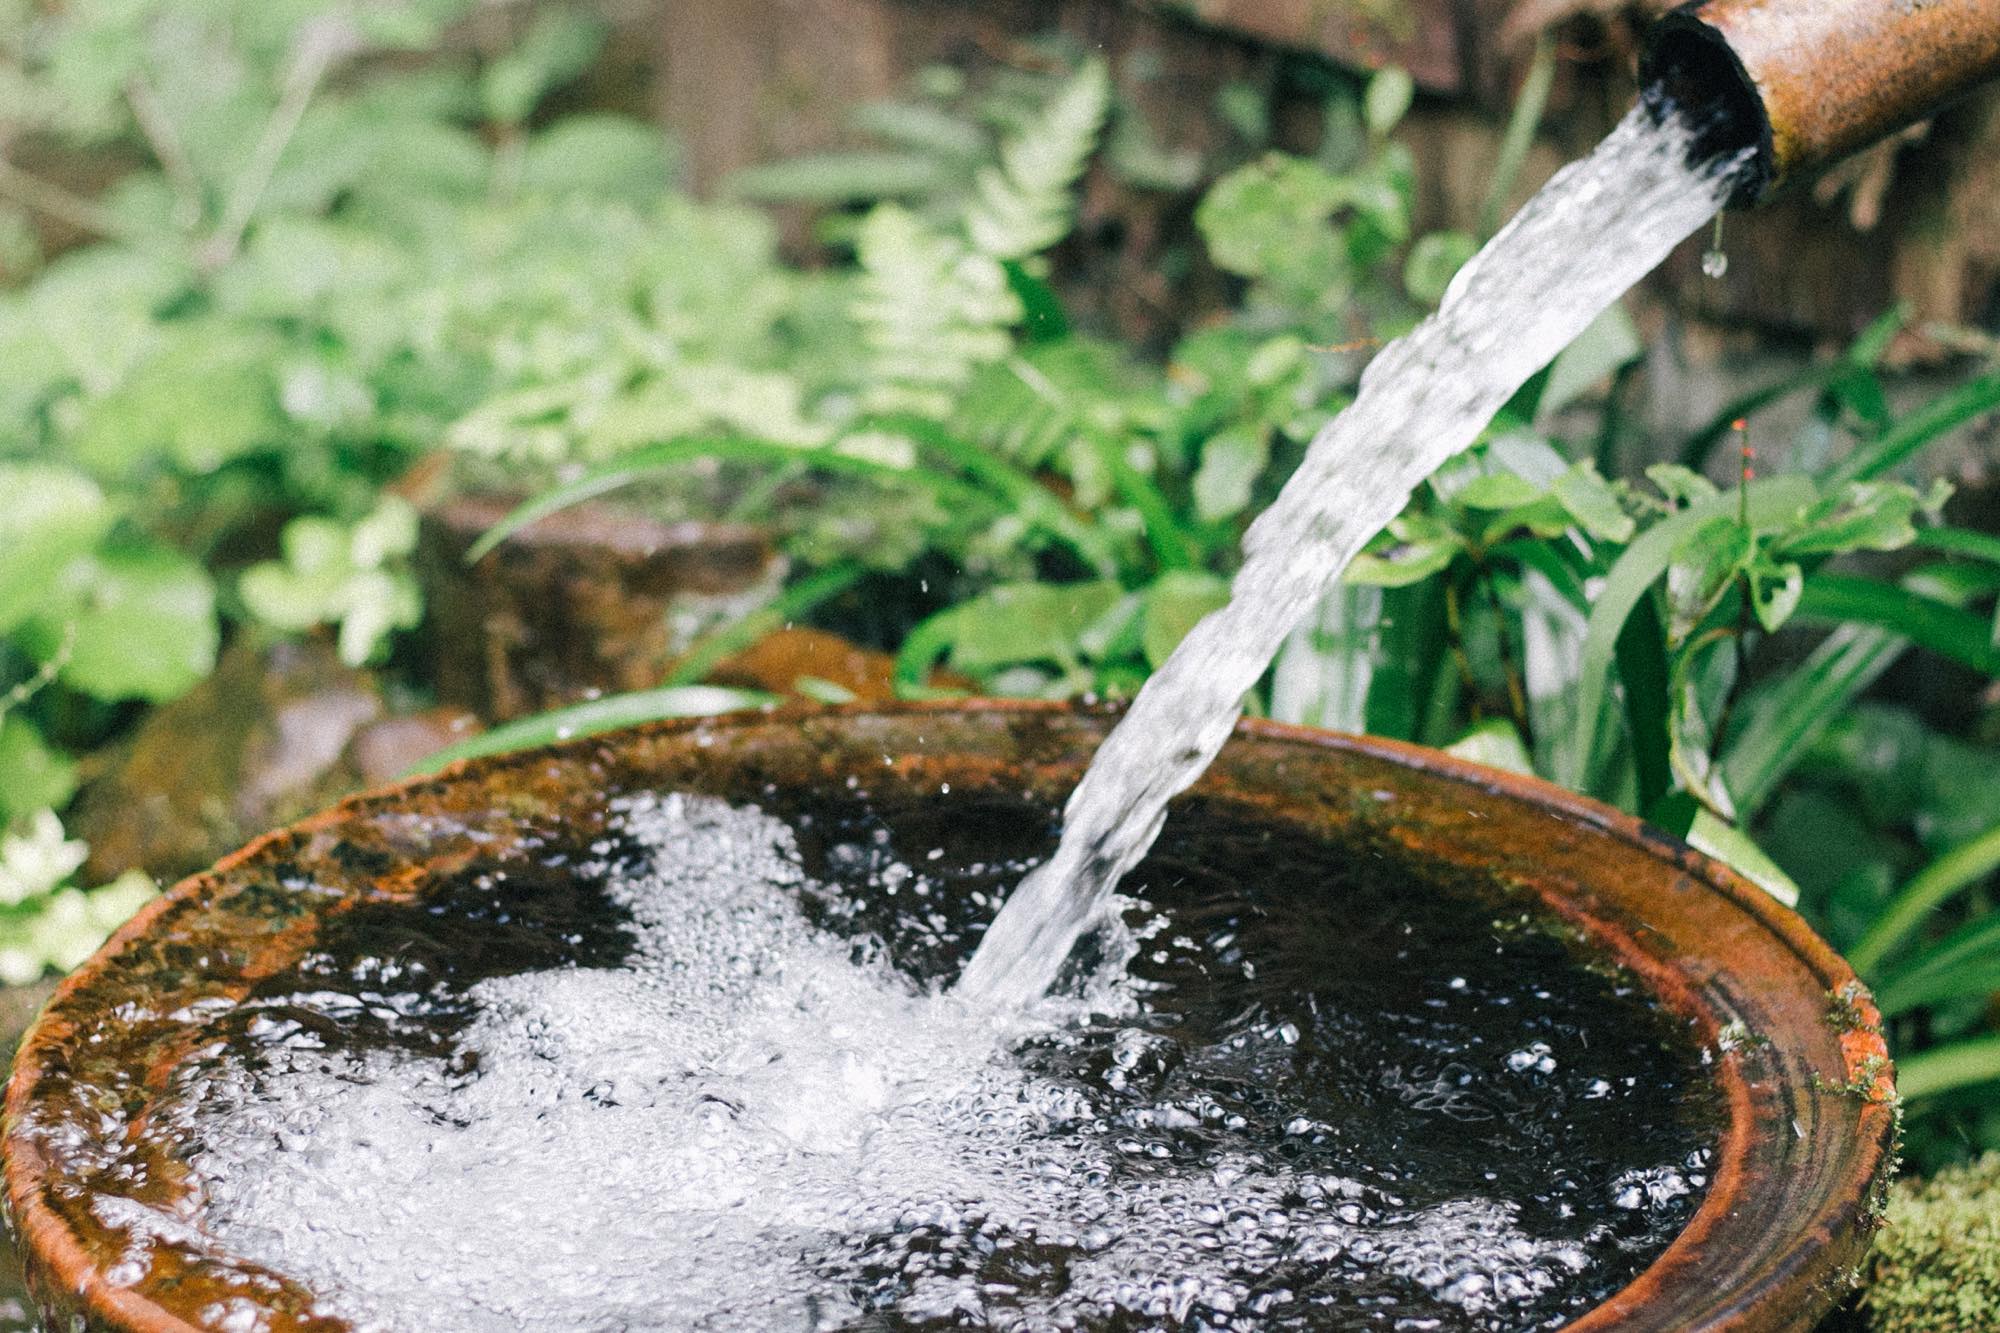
[[701, 1072]]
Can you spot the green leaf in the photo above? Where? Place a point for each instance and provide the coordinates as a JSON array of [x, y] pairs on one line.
[[49, 516], [140, 624], [1594, 505], [558, 47], [1705, 564], [1963, 965], [1176, 601], [1231, 462], [36, 777], [598, 716], [1872, 516], [1647, 681], [1963, 866], [1414, 546], [1023, 205], [1681, 486], [1643, 562], [606, 157], [1929, 622], [1948, 1068], [1496, 744], [1027, 622], [1498, 490], [207, 397], [1922, 428], [1387, 100], [1680, 815], [1775, 590]]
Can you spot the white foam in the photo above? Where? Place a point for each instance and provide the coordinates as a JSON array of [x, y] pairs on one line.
[[761, 1126]]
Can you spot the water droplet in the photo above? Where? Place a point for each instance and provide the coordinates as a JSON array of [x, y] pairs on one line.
[[1714, 263]]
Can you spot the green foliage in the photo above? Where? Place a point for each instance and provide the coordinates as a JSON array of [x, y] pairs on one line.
[[45, 921], [344, 575]]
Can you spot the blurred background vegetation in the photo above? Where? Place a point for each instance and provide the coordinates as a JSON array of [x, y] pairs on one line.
[[892, 347]]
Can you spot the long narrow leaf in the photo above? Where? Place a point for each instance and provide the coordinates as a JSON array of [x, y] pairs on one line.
[[1965, 964], [1943, 1069], [598, 715], [1929, 622], [1782, 719], [1923, 427], [1960, 868], [658, 459], [1642, 565], [1642, 670], [1960, 541]]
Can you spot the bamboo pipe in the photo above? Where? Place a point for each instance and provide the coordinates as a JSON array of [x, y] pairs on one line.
[[1807, 82]]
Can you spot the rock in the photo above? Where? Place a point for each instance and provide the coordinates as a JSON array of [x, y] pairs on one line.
[[777, 662], [591, 600], [248, 748]]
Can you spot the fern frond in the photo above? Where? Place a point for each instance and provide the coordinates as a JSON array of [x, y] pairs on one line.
[[1023, 205], [931, 309]]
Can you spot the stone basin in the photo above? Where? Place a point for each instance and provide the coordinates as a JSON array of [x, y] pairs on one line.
[[1809, 1120]]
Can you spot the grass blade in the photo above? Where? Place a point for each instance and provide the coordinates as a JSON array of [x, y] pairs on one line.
[[1944, 1069], [1928, 622], [658, 459], [1922, 427], [1783, 719], [1642, 670], [598, 715], [1967, 963], [1960, 541], [1960, 868]]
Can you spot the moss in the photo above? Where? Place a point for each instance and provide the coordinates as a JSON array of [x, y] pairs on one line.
[[1936, 1265]]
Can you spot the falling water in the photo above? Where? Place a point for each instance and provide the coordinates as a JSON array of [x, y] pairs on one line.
[[1597, 228]]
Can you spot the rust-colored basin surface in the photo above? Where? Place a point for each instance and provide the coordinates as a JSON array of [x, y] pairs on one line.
[[1807, 1124]]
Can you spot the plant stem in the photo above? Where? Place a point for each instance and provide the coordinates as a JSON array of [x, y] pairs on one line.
[[54, 201], [168, 151], [1510, 664], [320, 46]]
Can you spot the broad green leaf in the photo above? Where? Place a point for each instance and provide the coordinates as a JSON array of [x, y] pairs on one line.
[[608, 157], [139, 624], [1705, 564], [33, 776], [1028, 622], [1681, 486], [1872, 516], [49, 516], [206, 397], [1387, 100], [1496, 744], [1497, 490], [1412, 548], [1231, 462], [1176, 601], [1594, 505]]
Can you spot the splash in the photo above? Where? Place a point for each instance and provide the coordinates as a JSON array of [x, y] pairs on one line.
[[1594, 230]]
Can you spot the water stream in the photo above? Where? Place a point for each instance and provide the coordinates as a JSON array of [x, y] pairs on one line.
[[1597, 228]]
